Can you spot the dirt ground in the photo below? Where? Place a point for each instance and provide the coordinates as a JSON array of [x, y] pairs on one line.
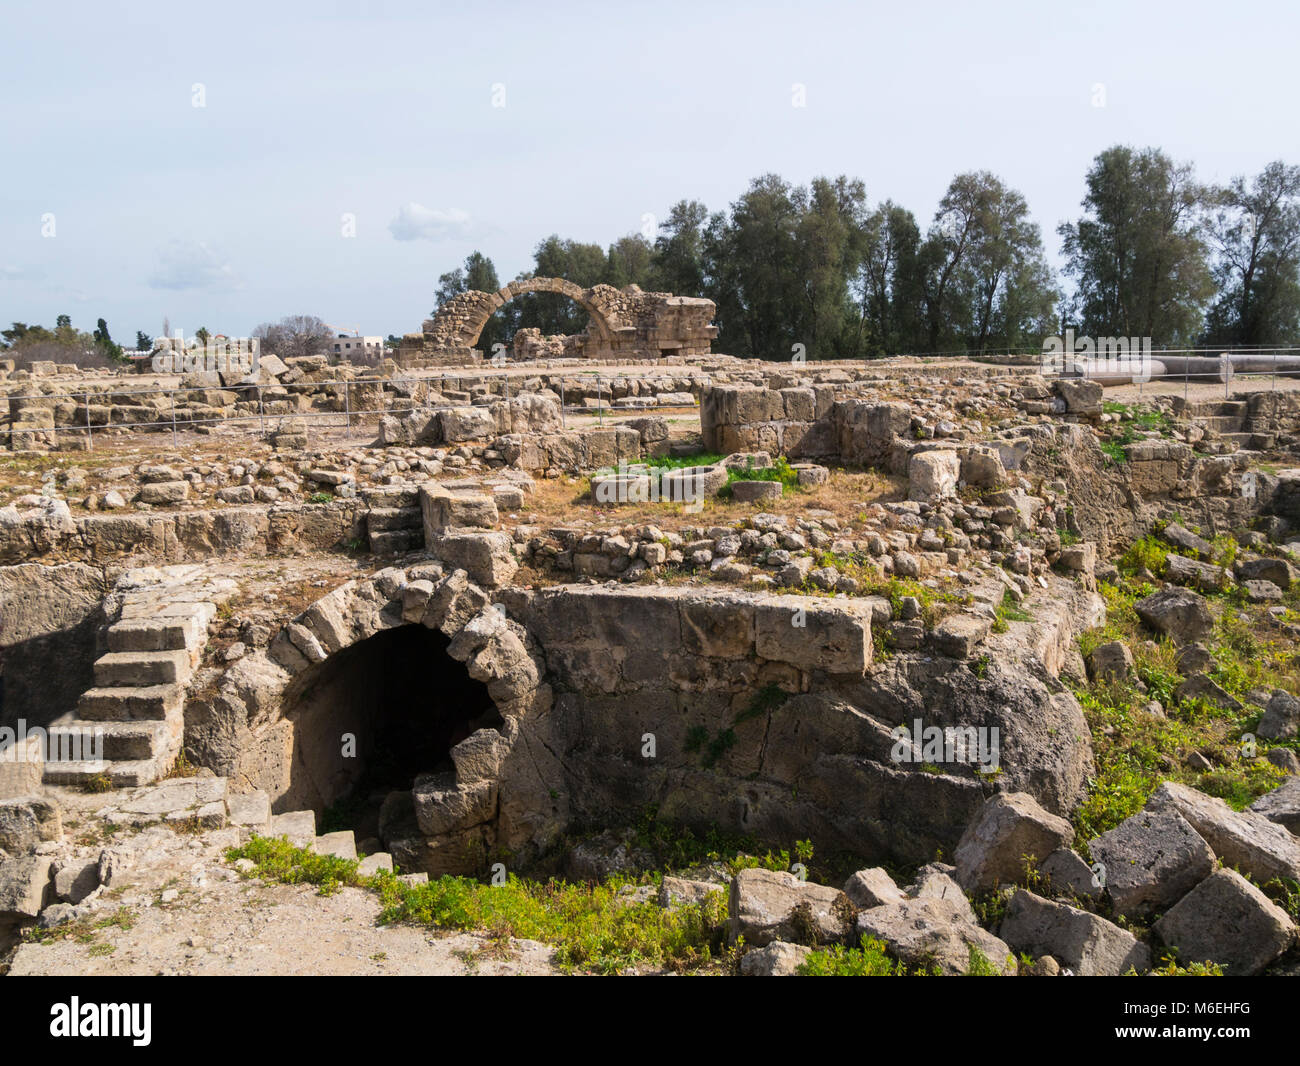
[[182, 910]]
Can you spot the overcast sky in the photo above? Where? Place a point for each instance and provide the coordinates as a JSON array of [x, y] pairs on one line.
[[232, 213]]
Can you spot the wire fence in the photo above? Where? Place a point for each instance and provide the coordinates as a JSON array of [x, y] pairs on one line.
[[1170, 371], [348, 404]]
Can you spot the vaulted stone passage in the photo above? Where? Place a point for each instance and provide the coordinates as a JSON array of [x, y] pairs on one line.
[[370, 718]]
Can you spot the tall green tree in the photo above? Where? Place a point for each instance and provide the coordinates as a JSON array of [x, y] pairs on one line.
[[1003, 288], [1138, 255], [1255, 232], [630, 262], [831, 240], [888, 283], [679, 250], [105, 343], [477, 274], [753, 260]]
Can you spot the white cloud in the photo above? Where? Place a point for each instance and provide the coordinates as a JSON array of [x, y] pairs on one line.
[[415, 222], [9, 272], [193, 265]]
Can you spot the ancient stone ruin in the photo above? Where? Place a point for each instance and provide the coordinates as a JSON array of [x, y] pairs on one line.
[[623, 324], [768, 631]]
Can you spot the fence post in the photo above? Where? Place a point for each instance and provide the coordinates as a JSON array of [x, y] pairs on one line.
[[347, 403], [90, 436], [261, 414], [175, 442], [563, 424]]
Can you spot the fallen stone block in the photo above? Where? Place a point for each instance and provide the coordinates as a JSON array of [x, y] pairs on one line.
[[27, 821], [934, 935], [26, 886], [1227, 920], [777, 959], [1009, 827], [872, 888], [1151, 860], [768, 905], [1246, 840], [1178, 613], [1087, 944], [1282, 805]]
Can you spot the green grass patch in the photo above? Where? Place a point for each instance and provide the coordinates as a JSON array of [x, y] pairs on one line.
[[276, 859], [593, 927], [868, 960]]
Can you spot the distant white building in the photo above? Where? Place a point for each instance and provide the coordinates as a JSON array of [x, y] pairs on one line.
[[346, 347]]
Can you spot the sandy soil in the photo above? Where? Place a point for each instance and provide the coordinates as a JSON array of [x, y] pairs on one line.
[[191, 913]]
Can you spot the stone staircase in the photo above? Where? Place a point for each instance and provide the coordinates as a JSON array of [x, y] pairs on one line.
[[1228, 419], [135, 711], [208, 802]]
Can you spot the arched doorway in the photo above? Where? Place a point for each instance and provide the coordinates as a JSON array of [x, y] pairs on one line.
[[373, 716]]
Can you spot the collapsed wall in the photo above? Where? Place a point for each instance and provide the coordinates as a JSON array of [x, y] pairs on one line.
[[758, 713]]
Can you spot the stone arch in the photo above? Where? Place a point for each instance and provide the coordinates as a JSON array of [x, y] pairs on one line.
[[453, 820], [460, 321]]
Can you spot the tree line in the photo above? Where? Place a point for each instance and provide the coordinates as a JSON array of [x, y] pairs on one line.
[[1153, 253], [27, 344]]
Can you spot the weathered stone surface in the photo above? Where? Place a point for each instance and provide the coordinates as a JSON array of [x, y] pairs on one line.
[[442, 510], [932, 475], [1066, 872], [298, 826], [1151, 860], [1227, 920], [27, 821], [1009, 827], [676, 891], [76, 880], [1178, 613], [959, 635], [835, 637], [1203, 687], [1081, 397], [756, 491], [1276, 571], [26, 885], [933, 934], [1246, 840], [252, 809], [1085, 943], [768, 905], [1281, 718], [1282, 805], [872, 888], [341, 845], [485, 557], [1111, 661], [1194, 574], [777, 959], [935, 881]]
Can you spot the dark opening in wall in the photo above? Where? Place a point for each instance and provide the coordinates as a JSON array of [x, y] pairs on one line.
[[371, 718]]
